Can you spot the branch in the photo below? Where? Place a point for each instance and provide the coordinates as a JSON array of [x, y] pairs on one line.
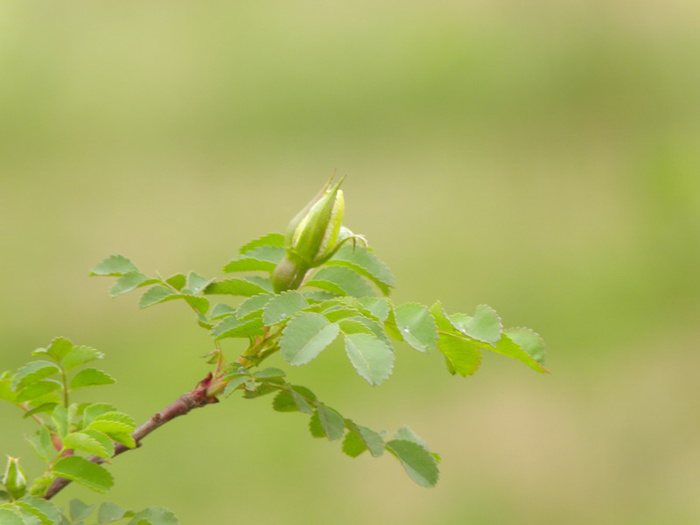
[[195, 398]]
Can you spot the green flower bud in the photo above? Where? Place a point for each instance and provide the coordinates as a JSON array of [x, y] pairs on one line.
[[312, 237], [15, 479]]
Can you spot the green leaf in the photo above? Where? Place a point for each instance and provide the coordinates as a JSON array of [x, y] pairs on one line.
[[332, 423], [366, 263], [84, 472], [155, 295], [420, 465], [58, 348], [380, 307], [485, 326], [262, 258], [283, 306], [10, 516], [109, 512], [220, 310], [353, 445], [97, 409], [38, 389], [407, 434], [90, 377], [6, 392], [340, 280], [271, 239], [267, 373], [32, 372], [90, 441], [114, 266], [370, 356], [293, 400], [462, 354], [154, 516], [318, 296], [506, 346], [195, 283], [305, 336], [371, 440], [124, 438], [79, 510], [113, 422], [246, 287], [253, 306], [130, 281], [45, 511], [177, 281], [315, 426], [232, 327], [42, 444], [530, 341], [80, 355], [235, 383], [61, 418], [417, 326]]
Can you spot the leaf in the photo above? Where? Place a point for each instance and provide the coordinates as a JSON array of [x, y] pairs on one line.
[[90, 377], [283, 306], [261, 258], [113, 422], [6, 392], [233, 327], [366, 263], [462, 354], [38, 389], [318, 296], [253, 306], [84, 472], [154, 516], [419, 464], [42, 444], [530, 341], [379, 306], [155, 295], [332, 423], [407, 434], [130, 281], [32, 372], [340, 280], [109, 512], [61, 418], [222, 310], [10, 517], [177, 281], [245, 287], [271, 239], [370, 356], [90, 441], [485, 326], [370, 439], [114, 266], [79, 510], [294, 400], [124, 438], [353, 445], [58, 348], [234, 383], [305, 336], [315, 426], [46, 511], [97, 409], [80, 355], [195, 283], [417, 326], [267, 373]]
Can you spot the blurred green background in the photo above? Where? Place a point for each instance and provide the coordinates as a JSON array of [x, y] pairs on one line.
[[541, 157]]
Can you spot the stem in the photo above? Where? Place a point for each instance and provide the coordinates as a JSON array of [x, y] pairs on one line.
[[195, 398]]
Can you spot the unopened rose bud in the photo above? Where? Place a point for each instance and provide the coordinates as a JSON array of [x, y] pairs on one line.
[[15, 479]]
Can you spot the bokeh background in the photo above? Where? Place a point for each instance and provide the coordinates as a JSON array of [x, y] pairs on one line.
[[541, 157]]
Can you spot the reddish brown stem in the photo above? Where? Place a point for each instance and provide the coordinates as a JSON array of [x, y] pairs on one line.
[[196, 398]]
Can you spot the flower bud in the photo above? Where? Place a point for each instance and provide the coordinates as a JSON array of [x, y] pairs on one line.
[[312, 237], [15, 479]]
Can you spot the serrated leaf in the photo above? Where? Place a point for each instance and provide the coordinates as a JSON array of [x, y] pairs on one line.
[[80, 355], [114, 266], [61, 418], [485, 326], [407, 434], [109, 512], [315, 426], [96, 409], [353, 445], [195, 283], [32, 372], [318, 296], [332, 423], [234, 383], [6, 392], [267, 373], [84, 472], [341, 281], [530, 341], [294, 399], [419, 464], [124, 438], [282, 307], [370, 356], [79, 510], [90, 377], [90, 441], [58, 348], [372, 440], [366, 263], [305, 336], [222, 310], [233, 327], [130, 281], [112, 422], [463, 354], [177, 281], [417, 326], [38, 389], [154, 516], [8, 516], [246, 287], [339, 312], [46, 511], [253, 306], [261, 258], [154, 295], [379, 306], [271, 239], [42, 444]]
